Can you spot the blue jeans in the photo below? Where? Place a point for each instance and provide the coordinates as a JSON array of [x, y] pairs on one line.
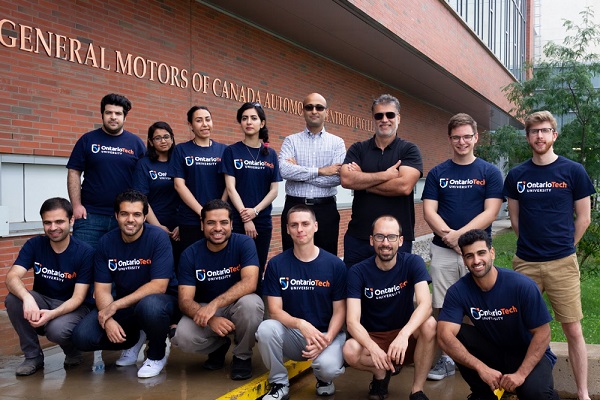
[[153, 314], [357, 250], [91, 229]]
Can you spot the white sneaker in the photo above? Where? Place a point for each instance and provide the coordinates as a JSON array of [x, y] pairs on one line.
[[130, 356], [152, 368], [278, 391]]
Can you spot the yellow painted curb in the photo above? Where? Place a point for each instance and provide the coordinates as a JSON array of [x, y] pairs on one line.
[[259, 386]]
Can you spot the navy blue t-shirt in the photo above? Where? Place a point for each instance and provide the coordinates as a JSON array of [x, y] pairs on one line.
[[546, 196], [253, 172], [307, 289], [213, 273], [505, 314], [366, 206], [199, 167], [131, 265], [107, 163], [152, 179], [386, 296], [461, 191], [55, 275]]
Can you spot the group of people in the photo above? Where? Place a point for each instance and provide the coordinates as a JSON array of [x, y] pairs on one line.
[[175, 246]]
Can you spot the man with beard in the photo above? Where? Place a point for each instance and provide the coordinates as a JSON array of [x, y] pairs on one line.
[[507, 343], [60, 296], [137, 259], [310, 163], [383, 172], [387, 330], [106, 157], [217, 280], [543, 194]]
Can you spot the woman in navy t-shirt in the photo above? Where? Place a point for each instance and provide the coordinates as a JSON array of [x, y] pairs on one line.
[[251, 176], [151, 178]]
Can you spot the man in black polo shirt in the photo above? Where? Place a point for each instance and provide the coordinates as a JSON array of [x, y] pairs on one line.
[[382, 171]]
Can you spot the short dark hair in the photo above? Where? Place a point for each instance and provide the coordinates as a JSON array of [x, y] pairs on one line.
[[460, 120], [472, 236], [216, 204], [386, 99], [191, 111], [301, 208], [114, 99], [56, 203], [131, 196], [389, 218], [150, 149], [263, 133]]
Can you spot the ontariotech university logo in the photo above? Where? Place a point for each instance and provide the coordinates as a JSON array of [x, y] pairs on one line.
[[127, 265], [95, 148], [153, 174], [369, 292], [461, 183], [540, 187], [238, 163], [492, 315]]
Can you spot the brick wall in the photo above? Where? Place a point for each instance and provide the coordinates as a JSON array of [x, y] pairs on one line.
[[48, 102]]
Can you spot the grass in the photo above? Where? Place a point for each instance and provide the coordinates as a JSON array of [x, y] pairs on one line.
[[505, 245]]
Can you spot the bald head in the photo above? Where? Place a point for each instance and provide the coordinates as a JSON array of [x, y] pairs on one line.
[[315, 112]]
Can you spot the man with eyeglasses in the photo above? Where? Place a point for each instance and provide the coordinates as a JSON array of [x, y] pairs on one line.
[[460, 194], [543, 194], [310, 162], [383, 172], [387, 330]]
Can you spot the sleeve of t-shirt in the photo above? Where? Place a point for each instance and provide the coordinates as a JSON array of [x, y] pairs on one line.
[[583, 184], [418, 269], [430, 190], [411, 157], [494, 186], [77, 158], [339, 286], [271, 286], [85, 274], [140, 177], [353, 154], [176, 167], [162, 257], [26, 255], [248, 251], [355, 283], [226, 164], [510, 189], [186, 274], [452, 310]]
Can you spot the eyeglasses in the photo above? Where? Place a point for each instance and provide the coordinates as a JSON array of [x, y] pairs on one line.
[[466, 138], [310, 107], [166, 138], [388, 115], [545, 131], [378, 237]]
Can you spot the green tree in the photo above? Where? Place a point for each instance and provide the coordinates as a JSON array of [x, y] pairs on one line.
[[564, 84], [505, 147]]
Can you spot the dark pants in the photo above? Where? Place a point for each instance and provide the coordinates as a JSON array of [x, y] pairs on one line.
[[153, 314], [357, 250], [262, 243], [539, 384], [188, 235], [328, 219]]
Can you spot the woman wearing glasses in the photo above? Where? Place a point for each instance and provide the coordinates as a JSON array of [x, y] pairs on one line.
[[252, 174], [195, 171], [151, 178]]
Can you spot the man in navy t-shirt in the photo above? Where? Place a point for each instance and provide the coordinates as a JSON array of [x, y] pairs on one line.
[[543, 194], [137, 259], [306, 294], [62, 268], [387, 330], [460, 194], [106, 157], [217, 279], [383, 172], [506, 346]]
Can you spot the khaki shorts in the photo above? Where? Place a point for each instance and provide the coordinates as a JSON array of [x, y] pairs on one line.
[[446, 268], [560, 280], [385, 339]]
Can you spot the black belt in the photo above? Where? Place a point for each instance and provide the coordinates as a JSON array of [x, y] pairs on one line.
[[311, 202]]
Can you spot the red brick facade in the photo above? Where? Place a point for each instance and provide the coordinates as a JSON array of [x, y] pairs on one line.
[[181, 54]]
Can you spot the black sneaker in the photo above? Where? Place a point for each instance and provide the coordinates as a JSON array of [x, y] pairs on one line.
[[325, 388], [418, 396], [30, 366], [378, 389], [241, 369], [216, 359]]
